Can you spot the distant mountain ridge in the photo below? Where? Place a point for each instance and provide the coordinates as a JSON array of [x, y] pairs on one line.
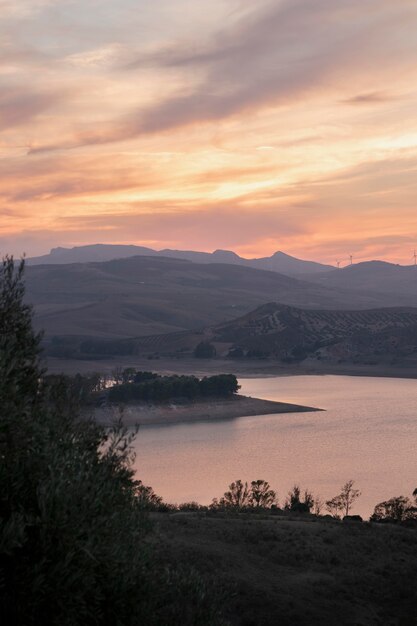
[[278, 262]]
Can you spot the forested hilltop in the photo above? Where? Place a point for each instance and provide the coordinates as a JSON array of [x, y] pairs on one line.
[[84, 542]]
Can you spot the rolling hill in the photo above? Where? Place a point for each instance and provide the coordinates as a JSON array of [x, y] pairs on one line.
[[292, 334], [141, 296], [289, 332], [371, 276]]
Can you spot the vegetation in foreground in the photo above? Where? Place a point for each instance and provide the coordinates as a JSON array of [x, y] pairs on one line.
[[74, 535], [79, 543]]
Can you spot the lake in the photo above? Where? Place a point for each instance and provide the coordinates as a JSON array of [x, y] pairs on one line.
[[368, 432]]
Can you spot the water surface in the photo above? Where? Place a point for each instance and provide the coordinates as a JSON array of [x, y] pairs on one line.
[[368, 432]]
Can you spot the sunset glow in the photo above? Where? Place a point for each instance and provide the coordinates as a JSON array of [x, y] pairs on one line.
[[254, 126]]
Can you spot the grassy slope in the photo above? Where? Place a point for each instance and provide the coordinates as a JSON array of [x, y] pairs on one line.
[[301, 573]]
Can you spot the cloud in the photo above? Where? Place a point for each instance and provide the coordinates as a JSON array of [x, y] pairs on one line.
[[274, 56], [21, 105], [368, 98], [23, 8]]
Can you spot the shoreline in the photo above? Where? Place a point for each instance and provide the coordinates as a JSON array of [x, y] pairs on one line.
[[201, 411], [242, 369]]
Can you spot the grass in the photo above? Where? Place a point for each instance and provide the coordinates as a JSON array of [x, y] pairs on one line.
[[299, 572]]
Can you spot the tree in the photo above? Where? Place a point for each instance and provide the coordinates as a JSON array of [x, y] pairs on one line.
[[334, 506], [72, 521], [397, 509], [205, 350], [318, 505], [294, 502], [128, 375], [344, 501], [241, 495], [237, 496], [147, 497], [261, 494]]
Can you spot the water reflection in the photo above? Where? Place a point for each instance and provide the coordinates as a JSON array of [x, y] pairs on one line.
[[368, 432]]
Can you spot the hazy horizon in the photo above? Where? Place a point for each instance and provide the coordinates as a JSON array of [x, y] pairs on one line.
[[344, 261]]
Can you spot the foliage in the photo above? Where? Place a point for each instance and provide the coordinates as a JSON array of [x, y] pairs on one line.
[[204, 350], [344, 501], [241, 495], [295, 504], [73, 527], [261, 494], [396, 509], [149, 387], [191, 507], [237, 496]]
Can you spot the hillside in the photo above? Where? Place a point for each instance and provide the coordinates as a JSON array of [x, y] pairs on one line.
[[299, 573], [292, 333], [372, 276], [278, 262], [142, 296]]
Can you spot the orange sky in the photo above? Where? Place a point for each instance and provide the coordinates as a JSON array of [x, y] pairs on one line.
[[252, 126]]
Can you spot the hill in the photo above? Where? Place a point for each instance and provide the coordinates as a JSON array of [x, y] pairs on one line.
[[371, 276], [294, 334], [278, 262], [141, 296]]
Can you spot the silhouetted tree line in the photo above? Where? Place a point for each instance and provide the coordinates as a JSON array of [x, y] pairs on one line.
[[74, 529], [150, 387]]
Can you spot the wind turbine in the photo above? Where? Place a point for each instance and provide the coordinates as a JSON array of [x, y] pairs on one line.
[[338, 264], [351, 258], [415, 257]]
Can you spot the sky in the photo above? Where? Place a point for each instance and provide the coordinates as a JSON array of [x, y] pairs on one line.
[[202, 124]]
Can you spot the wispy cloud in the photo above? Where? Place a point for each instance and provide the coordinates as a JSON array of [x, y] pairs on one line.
[[255, 125], [276, 55], [22, 105]]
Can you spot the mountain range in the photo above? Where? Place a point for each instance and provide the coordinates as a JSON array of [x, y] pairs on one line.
[[278, 262]]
